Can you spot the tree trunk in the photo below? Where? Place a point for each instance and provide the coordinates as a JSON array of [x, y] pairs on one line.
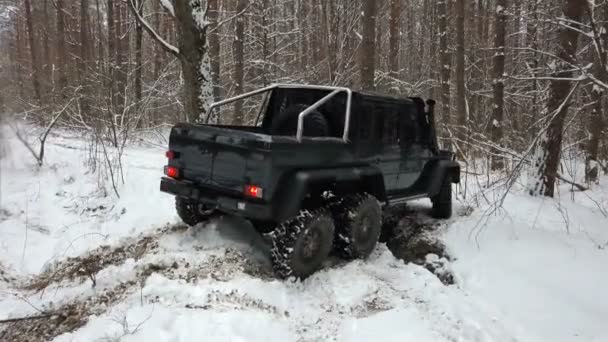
[[194, 58], [47, 50], [367, 51], [238, 61], [85, 105], [547, 156], [214, 49], [36, 70], [61, 48], [111, 55], [499, 82], [445, 60], [596, 123], [158, 20], [122, 58], [460, 82], [395, 38], [139, 37]]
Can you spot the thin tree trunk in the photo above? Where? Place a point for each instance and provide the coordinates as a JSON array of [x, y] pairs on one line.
[[395, 38], [85, 105], [445, 60], [237, 46], [158, 19], [122, 55], [37, 72], [214, 49], [61, 48], [596, 123], [139, 37], [460, 81], [47, 50], [111, 54], [499, 81], [367, 51]]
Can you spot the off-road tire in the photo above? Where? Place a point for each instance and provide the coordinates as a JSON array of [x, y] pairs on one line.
[[289, 244], [286, 123], [442, 202], [358, 226], [187, 210]]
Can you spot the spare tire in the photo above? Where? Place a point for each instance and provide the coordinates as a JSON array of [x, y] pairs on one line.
[[286, 123]]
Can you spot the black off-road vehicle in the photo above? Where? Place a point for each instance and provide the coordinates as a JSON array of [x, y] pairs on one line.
[[314, 170]]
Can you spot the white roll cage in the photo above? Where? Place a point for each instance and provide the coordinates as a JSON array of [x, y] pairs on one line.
[[334, 91]]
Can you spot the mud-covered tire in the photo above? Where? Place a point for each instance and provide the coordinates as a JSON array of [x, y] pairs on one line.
[[300, 245], [442, 202], [189, 212], [286, 123], [358, 226]]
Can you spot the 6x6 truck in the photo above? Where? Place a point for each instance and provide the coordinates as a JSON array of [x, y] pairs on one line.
[[313, 172]]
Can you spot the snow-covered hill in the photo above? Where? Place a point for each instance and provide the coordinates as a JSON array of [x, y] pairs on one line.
[[100, 268]]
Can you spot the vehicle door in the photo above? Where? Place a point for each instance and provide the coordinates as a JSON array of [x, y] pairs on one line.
[[378, 140], [414, 152]]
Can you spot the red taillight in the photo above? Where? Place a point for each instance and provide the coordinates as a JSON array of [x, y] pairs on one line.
[[172, 171], [254, 191], [171, 155]]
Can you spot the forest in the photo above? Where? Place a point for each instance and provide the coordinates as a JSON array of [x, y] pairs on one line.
[[91, 249], [519, 84]]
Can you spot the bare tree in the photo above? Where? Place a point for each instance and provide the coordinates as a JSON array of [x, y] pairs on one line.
[[237, 46], [461, 109], [35, 62], [367, 51], [445, 60], [498, 83], [214, 48], [547, 156], [61, 47], [394, 37], [193, 53]]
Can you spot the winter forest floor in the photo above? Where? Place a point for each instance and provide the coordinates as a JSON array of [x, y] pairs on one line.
[[82, 264]]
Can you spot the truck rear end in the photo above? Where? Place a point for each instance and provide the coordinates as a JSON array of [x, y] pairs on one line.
[[224, 168]]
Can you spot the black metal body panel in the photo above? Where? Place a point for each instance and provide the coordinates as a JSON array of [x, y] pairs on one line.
[[392, 153]]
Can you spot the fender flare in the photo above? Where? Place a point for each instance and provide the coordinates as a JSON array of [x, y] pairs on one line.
[[441, 170], [294, 187]]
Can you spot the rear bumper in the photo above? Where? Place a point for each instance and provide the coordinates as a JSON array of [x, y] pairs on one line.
[[214, 198]]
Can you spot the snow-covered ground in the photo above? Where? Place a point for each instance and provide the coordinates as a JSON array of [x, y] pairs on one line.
[[535, 270]]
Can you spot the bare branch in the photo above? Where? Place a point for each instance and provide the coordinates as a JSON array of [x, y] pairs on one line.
[[166, 45]]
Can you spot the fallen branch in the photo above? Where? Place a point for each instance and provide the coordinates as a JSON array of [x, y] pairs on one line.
[[578, 186], [27, 318]]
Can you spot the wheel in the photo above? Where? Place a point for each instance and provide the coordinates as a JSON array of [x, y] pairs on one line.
[[300, 245], [442, 202], [286, 123], [358, 226], [191, 212]]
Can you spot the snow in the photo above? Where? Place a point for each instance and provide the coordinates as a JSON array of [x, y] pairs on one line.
[[541, 264], [532, 271], [62, 209]]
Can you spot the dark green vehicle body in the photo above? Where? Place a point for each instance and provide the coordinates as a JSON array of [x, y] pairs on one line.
[[388, 148]]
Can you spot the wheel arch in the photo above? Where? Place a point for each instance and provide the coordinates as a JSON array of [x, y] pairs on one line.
[[443, 169], [297, 188]]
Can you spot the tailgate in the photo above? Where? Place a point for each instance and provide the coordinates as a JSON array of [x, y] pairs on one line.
[[215, 156]]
